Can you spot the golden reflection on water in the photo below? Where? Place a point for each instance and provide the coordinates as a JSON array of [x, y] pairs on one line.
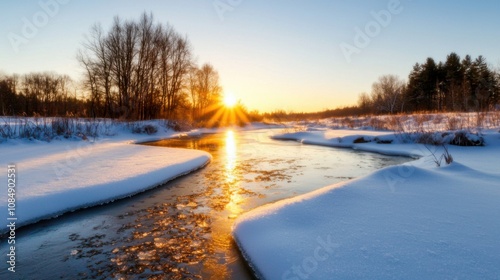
[[230, 150], [221, 237], [231, 175]]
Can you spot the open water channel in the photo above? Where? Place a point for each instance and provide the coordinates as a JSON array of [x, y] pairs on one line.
[[182, 229]]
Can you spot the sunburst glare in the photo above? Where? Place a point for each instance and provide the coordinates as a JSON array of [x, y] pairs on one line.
[[228, 112]]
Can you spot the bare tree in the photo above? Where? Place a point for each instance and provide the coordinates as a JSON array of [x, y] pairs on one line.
[[365, 103], [145, 63], [205, 91], [180, 64], [193, 89], [122, 41], [91, 82], [144, 73], [387, 94]]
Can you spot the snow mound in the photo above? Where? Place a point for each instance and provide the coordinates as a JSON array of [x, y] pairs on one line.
[[413, 221]]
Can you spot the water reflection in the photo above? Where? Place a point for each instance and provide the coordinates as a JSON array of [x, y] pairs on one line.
[[228, 207], [230, 161], [231, 175]]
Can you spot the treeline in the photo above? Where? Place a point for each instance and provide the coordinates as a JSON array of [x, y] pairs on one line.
[[145, 70], [453, 85], [44, 94], [283, 116]]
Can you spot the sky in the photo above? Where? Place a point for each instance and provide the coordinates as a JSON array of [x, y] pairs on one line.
[[293, 55]]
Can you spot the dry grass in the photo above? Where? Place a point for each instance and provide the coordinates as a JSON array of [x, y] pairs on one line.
[[47, 129], [425, 122], [448, 158]]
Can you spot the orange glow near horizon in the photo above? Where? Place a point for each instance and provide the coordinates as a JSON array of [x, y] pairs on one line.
[[272, 99], [226, 115]]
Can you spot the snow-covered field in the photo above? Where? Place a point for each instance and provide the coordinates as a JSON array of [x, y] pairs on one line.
[[414, 221], [67, 174]]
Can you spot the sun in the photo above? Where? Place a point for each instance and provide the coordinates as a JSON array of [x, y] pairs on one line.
[[229, 111], [230, 100]]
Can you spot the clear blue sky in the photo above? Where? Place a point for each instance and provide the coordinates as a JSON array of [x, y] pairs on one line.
[[270, 54]]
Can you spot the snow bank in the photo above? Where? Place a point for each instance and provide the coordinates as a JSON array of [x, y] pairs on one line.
[[64, 175], [414, 221], [346, 139]]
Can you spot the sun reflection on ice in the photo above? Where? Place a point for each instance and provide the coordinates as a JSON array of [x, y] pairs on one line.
[[222, 242], [231, 176], [230, 155]]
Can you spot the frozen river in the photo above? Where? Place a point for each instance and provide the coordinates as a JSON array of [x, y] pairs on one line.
[[183, 229]]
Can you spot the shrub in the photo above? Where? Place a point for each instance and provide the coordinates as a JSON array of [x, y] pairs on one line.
[[7, 131], [138, 128], [361, 140], [463, 138], [429, 138], [150, 129], [62, 126], [382, 141]]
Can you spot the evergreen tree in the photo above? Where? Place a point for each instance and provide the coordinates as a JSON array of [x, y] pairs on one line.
[[454, 76], [454, 85], [430, 84], [414, 90]]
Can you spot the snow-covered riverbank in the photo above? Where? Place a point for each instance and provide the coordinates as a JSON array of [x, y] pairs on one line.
[[414, 221], [64, 175]]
